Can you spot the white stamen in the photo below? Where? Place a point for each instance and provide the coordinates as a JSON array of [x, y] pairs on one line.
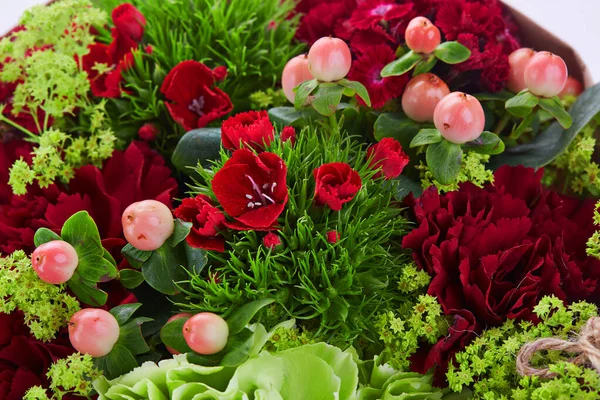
[[268, 198], [266, 185], [251, 205], [258, 203], [249, 196]]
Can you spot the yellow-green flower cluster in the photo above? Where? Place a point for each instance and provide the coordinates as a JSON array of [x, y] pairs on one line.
[[473, 170], [593, 244], [46, 307]]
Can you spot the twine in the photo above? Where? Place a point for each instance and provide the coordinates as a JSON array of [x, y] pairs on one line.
[[586, 348]]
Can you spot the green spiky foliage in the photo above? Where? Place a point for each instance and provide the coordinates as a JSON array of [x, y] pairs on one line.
[[254, 39], [333, 290]]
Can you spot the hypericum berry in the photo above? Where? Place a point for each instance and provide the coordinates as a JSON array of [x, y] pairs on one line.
[[173, 318], [206, 333], [329, 59], [546, 74], [517, 61], [421, 95], [294, 73], [422, 36], [147, 224], [459, 117], [55, 262], [572, 88], [93, 331]]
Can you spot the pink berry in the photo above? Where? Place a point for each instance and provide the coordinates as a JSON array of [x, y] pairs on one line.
[[173, 318], [572, 88], [93, 331], [517, 61], [55, 262], [295, 72], [422, 36], [206, 333], [421, 95], [546, 74], [459, 117], [329, 59], [147, 224]]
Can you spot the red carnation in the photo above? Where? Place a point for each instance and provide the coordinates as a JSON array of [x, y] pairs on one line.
[[373, 13], [192, 99], [461, 16], [387, 155], [288, 133], [333, 237], [323, 19], [129, 21], [148, 132], [367, 70], [252, 129], [252, 189], [336, 183], [493, 253], [207, 221], [271, 241]]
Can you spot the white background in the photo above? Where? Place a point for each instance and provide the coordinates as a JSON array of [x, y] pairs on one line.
[[577, 22]]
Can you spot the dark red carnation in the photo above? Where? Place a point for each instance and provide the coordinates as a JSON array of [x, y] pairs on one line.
[[148, 132], [493, 253], [462, 16], [323, 18], [129, 21], [249, 129], [207, 221], [373, 13], [271, 241], [252, 189], [192, 99], [336, 184], [387, 155], [333, 237], [288, 133]]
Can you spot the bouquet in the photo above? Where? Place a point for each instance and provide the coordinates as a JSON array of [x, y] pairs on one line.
[[278, 199]]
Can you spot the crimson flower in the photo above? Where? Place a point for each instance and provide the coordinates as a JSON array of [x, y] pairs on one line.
[[323, 18], [207, 220], [373, 13], [252, 129], [271, 241], [192, 99], [288, 133], [367, 70], [388, 157], [492, 62], [333, 237], [148, 132], [462, 16], [129, 21], [336, 184], [252, 189], [493, 253]]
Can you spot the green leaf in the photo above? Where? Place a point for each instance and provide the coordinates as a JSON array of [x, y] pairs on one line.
[[444, 161], [425, 65], [425, 137], [555, 107], [119, 362], [238, 348], [134, 256], [123, 312], [96, 268], [487, 143], [87, 292], [404, 186], [130, 278], [130, 336], [242, 317], [397, 126], [197, 146], [327, 98], [522, 104], [108, 257], [172, 335], [359, 88], [401, 65], [163, 268], [552, 142], [182, 229], [452, 52], [196, 258], [81, 232], [501, 96], [303, 91], [44, 235]]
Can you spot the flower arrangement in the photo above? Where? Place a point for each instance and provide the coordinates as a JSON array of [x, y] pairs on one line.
[[333, 199]]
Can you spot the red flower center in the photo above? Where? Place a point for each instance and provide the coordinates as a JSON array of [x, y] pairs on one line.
[[197, 106], [260, 198], [381, 9]]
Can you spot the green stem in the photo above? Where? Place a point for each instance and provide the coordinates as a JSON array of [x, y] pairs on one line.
[[502, 124], [19, 127], [333, 122]]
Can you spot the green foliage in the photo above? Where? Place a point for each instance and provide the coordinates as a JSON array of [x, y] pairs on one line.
[[572, 382], [269, 98], [284, 338], [47, 307], [472, 170], [593, 244], [488, 364], [333, 290]]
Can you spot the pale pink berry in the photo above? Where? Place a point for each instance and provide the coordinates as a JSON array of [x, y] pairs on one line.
[[572, 88], [422, 36], [329, 59], [93, 331], [147, 224], [517, 61], [55, 262], [421, 95], [206, 333], [459, 117], [294, 73], [173, 318], [546, 74]]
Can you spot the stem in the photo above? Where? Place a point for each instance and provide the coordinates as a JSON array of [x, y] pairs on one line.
[[502, 124], [19, 127], [333, 122]]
